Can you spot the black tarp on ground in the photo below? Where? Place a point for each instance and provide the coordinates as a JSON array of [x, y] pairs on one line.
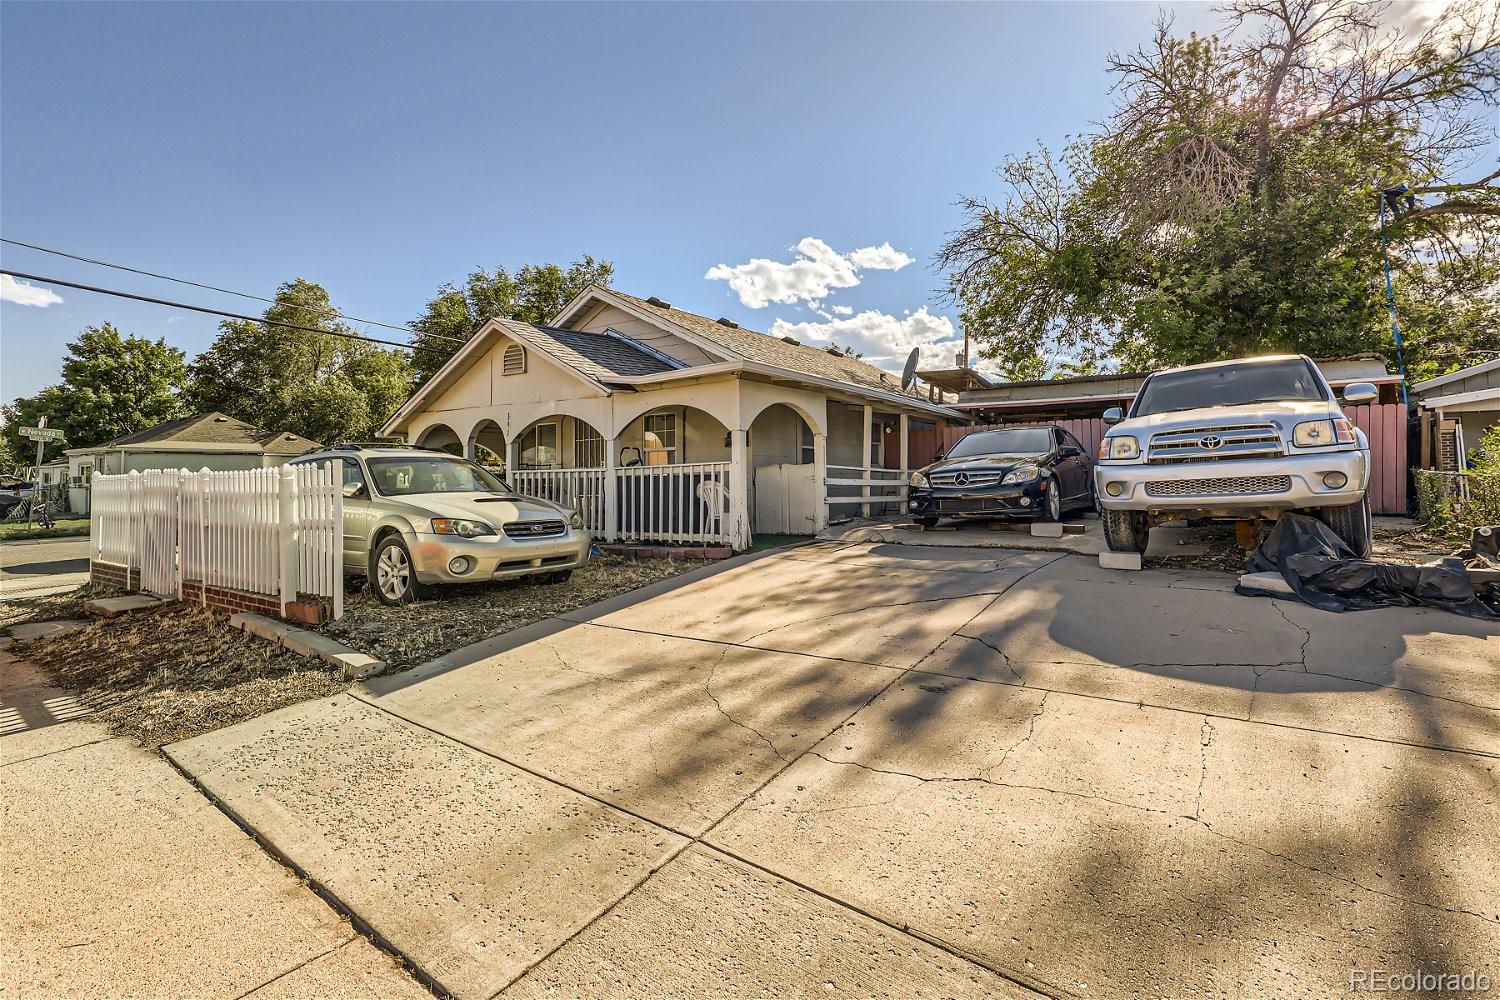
[[1325, 573]]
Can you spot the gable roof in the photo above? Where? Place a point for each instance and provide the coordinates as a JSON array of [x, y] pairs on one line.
[[598, 355], [216, 429], [737, 342]]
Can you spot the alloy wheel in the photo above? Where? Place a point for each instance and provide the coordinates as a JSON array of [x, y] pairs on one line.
[[393, 573]]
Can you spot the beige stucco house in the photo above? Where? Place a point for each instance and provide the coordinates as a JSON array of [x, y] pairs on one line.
[[662, 424], [213, 441]]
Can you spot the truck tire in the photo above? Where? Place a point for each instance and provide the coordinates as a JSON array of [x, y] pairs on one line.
[[1351, 522], [1125, 530]]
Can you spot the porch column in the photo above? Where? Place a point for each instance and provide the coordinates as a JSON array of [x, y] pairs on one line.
[[868, 438], [904, 429], [611, 493], [739, 489], [820, 482]]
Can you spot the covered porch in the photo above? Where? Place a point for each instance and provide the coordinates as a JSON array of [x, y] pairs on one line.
[[714, 462]]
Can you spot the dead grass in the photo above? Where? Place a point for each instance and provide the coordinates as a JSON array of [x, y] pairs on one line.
[[179, 671], [458, 616]]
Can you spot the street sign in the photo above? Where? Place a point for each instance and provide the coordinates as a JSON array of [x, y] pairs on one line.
[[42, 433]]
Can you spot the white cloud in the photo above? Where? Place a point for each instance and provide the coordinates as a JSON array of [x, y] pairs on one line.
[[883, 339], [23, 294], [817, 270], [843, 310]]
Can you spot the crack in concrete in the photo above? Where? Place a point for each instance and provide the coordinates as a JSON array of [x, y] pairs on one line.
[[1041, 707], [1306, 632], [1205, 740], [708, 689], [1195, 820], [872, 607], [1004, 656]]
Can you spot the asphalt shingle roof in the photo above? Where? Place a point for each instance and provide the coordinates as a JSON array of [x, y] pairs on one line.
[[216, 428], [598, 355], [754, 346]]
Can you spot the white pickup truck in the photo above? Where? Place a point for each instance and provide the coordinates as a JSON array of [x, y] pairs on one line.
[[1237, 440]]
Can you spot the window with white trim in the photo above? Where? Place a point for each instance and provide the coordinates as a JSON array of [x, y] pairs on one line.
[[807, 444], [513, 361], [660, 438], [539, 447]]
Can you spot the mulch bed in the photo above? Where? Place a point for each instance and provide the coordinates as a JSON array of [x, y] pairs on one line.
[[458, 616], [179, 670]]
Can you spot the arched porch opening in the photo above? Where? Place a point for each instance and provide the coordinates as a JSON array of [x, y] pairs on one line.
[[672, 435], [441, 437], [559, 441], [785, 473], [487, 445]]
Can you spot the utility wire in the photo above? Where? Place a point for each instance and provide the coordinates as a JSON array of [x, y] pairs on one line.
[[210, 288], [215, 312]]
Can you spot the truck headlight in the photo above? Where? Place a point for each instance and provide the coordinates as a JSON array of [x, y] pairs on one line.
[[1119, 447], [460, 526], [917, 479], [1020, 474], [1322, 433]]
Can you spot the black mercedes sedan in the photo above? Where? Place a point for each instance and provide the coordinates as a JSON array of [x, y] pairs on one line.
[[1033, 472]]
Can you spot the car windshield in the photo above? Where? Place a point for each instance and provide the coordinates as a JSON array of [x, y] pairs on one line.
[[1232, 385], [1022, 441], [397, 477]]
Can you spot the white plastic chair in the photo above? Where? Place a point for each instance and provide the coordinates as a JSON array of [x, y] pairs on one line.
[[715, 499]]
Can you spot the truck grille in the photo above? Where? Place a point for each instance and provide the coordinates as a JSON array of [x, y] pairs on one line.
[[1215, 443], [535, 529], [976, 478], [1224, 487]]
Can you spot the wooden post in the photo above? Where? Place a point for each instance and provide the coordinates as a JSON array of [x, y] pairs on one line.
[[286, 523], [867, 437], [820, 481], [611, 492], [904, 429], [739, 489]]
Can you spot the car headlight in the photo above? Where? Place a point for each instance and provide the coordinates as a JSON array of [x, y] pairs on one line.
[[460, 526], [1020, 474], [575, 520], [917, 479], [1322, 433], [1119, 447]]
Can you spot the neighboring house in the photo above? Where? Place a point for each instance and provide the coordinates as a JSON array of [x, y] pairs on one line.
[[1456, 410], [1078, 405], [657, 423], [211, 441]]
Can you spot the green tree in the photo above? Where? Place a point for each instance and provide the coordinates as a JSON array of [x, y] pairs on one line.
[[534, 294], [322, 387], [111, 385], [1228, 205]]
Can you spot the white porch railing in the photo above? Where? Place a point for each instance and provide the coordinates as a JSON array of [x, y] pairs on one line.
[[275, 532], [691, 502], [850, 486], [580, 489]]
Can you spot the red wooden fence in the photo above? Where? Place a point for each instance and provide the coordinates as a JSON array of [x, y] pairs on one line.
[[1383, 423]]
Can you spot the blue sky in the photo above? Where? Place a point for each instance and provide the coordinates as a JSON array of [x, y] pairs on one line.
[[385, 149]]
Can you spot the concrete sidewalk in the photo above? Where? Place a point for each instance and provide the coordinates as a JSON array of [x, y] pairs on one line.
[[908, 771], [121, 879]]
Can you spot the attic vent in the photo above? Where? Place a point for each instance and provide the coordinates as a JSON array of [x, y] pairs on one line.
[[513, 361], [726, 321], [792, 340], [658, 303]]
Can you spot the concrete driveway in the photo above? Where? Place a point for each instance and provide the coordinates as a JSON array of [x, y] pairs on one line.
[[898, 771]]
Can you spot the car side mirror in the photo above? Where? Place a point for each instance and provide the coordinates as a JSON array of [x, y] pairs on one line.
[[1114, 415], [353, 491], [1360, 392], [938, 457], [1068, 451]]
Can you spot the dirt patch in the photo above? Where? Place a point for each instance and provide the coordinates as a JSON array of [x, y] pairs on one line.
[[1212, 546], [458, 616], [179, 670]]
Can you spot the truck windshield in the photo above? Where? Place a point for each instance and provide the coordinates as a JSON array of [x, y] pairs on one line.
[[1022, 441], [395, 477], [1232, 385]]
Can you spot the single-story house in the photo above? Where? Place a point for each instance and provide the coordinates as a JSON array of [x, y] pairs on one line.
[[211, 441], [658, 423], [1456, 410]]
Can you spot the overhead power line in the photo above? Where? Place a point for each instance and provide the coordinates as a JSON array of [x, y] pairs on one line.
[[215, 312], [210, 288]]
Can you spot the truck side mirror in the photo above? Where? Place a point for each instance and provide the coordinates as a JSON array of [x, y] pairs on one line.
[[1360, 392], [1114, 415]]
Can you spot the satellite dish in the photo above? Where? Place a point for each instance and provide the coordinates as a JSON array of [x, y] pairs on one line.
[[910, 371]]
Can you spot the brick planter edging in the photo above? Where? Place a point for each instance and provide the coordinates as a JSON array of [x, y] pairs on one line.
[[699, 552], [219, 598]]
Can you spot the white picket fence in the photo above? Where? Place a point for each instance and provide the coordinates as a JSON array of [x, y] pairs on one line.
[[275, 532], [581, 489], [689, 503]]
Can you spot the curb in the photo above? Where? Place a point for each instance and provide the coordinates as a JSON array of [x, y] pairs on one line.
[[350, 662]]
